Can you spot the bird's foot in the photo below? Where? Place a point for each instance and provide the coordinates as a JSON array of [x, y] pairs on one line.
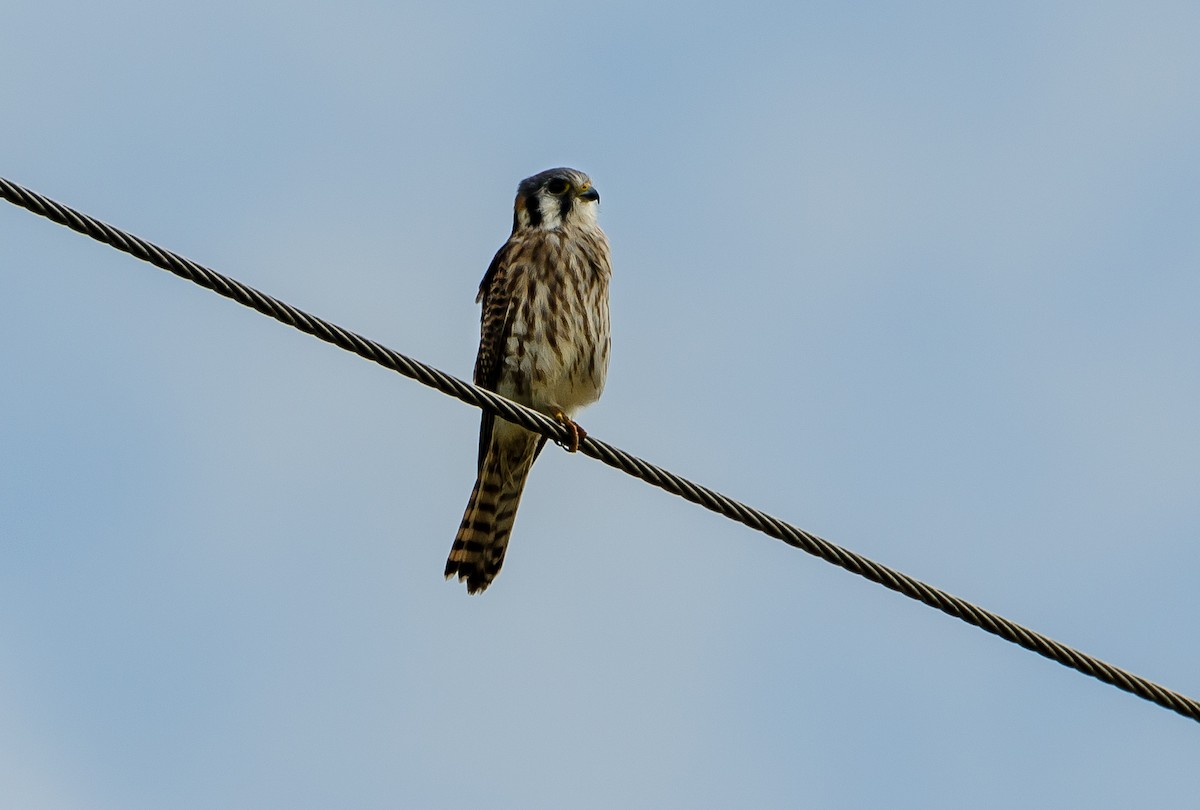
[[578, 434]]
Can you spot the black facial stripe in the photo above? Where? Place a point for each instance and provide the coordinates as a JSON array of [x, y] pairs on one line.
[[534, 209], [564, 205]]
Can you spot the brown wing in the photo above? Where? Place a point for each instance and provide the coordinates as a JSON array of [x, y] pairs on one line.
[[494, 328]]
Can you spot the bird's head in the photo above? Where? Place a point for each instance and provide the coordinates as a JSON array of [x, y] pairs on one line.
[[555, 198]]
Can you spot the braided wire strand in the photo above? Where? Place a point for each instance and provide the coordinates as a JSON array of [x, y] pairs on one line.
[[613, 456]]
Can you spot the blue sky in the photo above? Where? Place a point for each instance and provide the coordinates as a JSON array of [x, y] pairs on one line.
[[918, 277]]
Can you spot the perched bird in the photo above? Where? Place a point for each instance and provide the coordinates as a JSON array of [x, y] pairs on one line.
[[544, 342]]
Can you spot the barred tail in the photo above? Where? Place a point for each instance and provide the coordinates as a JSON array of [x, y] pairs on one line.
[[482, 539]]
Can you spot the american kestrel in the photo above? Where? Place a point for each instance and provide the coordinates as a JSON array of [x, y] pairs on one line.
[[544, 342]]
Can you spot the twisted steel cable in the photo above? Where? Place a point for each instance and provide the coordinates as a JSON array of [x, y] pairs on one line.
[[612, 456]]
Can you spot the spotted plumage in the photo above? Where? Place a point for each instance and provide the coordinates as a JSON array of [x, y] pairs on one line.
[[544, 342]]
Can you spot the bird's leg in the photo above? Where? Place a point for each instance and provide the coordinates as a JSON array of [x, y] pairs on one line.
[[578, 434]]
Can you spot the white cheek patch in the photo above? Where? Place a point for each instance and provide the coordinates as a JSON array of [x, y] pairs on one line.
[[548, 206]]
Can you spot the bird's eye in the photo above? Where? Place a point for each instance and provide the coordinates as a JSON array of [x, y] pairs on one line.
[[557, 186]]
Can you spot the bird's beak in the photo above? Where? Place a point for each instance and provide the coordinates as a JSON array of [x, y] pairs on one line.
[[590, 194]]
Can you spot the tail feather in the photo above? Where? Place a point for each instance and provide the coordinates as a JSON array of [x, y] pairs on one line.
[[482, 539]]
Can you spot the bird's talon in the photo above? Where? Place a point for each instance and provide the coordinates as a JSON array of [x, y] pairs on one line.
[[578, 434]]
